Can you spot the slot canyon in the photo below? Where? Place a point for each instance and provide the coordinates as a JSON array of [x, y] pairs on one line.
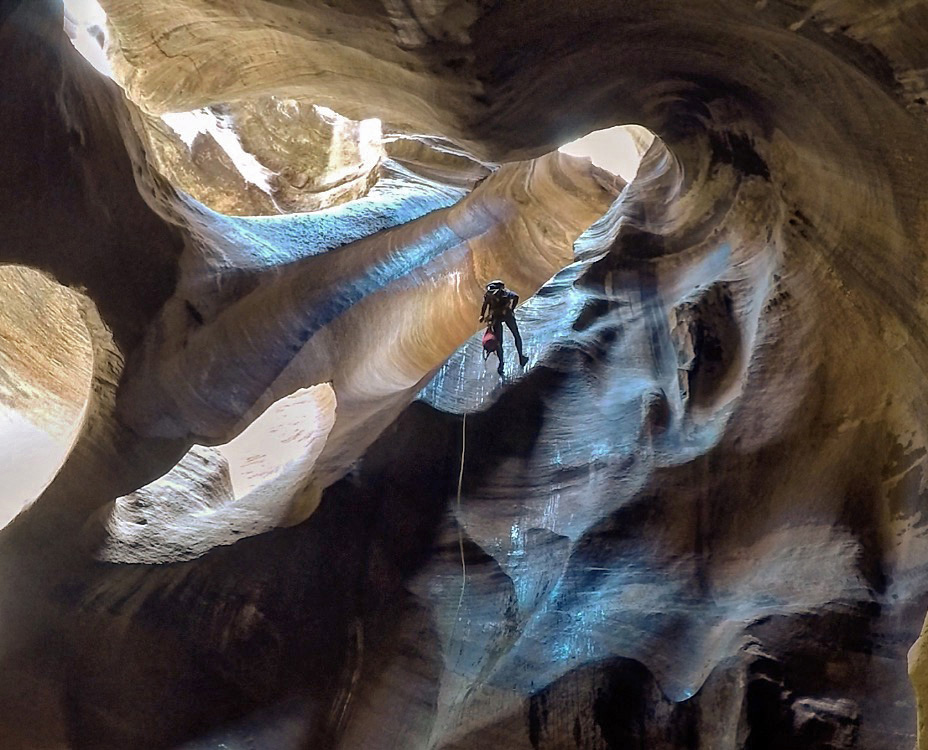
[[262, 490]]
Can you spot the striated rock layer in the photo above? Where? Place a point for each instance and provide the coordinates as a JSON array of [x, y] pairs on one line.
[[696, 520]]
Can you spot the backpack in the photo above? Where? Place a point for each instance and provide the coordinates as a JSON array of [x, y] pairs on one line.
[[489, 343]]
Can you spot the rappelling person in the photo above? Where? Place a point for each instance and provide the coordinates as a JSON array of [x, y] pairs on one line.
[[499, 305]]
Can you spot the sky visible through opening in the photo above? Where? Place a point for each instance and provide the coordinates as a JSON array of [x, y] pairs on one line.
[[617, 150]]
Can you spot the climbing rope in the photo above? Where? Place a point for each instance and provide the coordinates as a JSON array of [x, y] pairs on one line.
[[457, 613], [460, 529]]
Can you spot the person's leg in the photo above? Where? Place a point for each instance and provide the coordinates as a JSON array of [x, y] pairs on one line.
[[514, 327], [498, 332]]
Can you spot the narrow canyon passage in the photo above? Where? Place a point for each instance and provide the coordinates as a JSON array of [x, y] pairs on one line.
[[245, 249]]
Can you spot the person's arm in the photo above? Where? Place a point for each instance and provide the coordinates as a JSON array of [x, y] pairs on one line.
[[483, 310], [513, 301]]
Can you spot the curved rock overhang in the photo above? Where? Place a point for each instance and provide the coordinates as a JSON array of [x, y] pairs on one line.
[[216, 495]]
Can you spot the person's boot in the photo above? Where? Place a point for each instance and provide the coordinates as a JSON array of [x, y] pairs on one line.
[[523, 360]]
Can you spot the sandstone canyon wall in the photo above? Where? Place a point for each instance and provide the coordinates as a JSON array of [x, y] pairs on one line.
[[695, 520]]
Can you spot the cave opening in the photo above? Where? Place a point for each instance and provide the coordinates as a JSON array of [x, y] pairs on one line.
[[618, 149], [46, 369], [215, 495], [260, 156], [85, 26]]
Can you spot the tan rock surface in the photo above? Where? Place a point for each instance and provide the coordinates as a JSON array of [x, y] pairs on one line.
[[265, 156]]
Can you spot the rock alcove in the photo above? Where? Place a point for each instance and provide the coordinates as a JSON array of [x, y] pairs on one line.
[[695, 521]]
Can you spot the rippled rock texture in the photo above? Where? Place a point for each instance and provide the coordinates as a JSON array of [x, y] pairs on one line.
[[696, 519]]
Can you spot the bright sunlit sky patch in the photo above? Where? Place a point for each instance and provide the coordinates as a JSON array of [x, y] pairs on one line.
[[617, 150], [85, 24]]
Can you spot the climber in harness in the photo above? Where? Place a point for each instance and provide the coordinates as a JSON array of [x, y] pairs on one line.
[[499, 306]]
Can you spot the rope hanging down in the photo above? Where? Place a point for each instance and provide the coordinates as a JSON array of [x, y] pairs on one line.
[[460, 531]]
